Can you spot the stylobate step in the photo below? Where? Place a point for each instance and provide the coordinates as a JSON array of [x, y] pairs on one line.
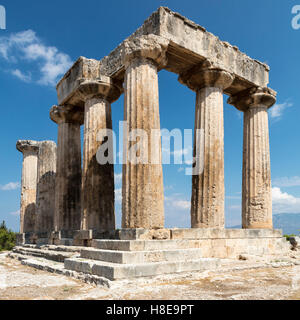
[[145, 245], [58, 256], [137, 257], [115, 271], [53, 247], [58, 268]]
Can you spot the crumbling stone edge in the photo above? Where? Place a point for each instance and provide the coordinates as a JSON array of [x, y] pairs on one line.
[[87, 278]]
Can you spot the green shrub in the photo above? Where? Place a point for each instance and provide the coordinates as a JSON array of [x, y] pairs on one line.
[[7, 238], [288, 236]]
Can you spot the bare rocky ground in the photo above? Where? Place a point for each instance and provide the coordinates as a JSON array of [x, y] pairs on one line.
[[254, 278]]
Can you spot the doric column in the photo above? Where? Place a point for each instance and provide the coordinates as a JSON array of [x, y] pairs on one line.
[[143, 198], [207, 205], [256, 194], [46, 186], [29, 183], [97, 179], [68, 168]]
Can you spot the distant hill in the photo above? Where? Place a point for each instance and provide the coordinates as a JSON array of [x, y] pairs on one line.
[[288, 222]]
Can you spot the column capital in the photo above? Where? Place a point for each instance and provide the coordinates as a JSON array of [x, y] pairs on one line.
[[206, 75], [150, 46], [67, 114], [103, 87], [253, 98], [27, 146]]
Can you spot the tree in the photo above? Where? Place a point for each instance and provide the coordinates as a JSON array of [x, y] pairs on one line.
[[7, 238], [3, 225]]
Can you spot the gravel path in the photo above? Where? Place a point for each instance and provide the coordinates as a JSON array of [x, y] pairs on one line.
[[250, 279]]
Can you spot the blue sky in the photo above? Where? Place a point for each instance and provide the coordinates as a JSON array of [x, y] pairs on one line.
[[42, 39]]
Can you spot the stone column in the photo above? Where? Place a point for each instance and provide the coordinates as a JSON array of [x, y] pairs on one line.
[[28, 185], [68, 168], [143, 198], [207, 204], [46, 186], [97, 179], [257, 193]]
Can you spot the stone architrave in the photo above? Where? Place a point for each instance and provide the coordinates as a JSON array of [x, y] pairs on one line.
[[207, 204], [68, 169], [256, 193], [30, 151]]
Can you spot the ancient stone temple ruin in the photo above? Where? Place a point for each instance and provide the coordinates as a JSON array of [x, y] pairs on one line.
[[68, 206]]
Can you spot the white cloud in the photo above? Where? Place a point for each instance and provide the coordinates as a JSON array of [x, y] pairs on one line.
[[181, 155], [176, 202], [235, 207], [182, 204], [284, 202], [233, 197], [181, 152], [177, 211], [26, 46], [20, 75], [15, 213], [287, 182], [277, 110], [10, 186], [118, 195], [118, 177]]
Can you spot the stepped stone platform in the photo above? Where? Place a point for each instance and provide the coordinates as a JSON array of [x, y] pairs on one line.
[[58, 256], [47, 260], [132, 253]]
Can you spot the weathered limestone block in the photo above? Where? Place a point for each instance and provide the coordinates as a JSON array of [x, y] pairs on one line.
[[256, 195], [20, 239], [68, 169], [189, 41], [143, 234], [28, 185], [97, 179], [215, 233], [83, 69], [207, 207], [46, 187], [142, 204], [190, 44], [148, 46]]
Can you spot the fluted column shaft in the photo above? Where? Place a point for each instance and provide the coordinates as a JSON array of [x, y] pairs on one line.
[[98, 180], [207, 207], [46, 187], [97, 195], [207, 203], [257, 198], [68, 171], [143, 205], [28, 185], [256, 193], [142, 189]]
